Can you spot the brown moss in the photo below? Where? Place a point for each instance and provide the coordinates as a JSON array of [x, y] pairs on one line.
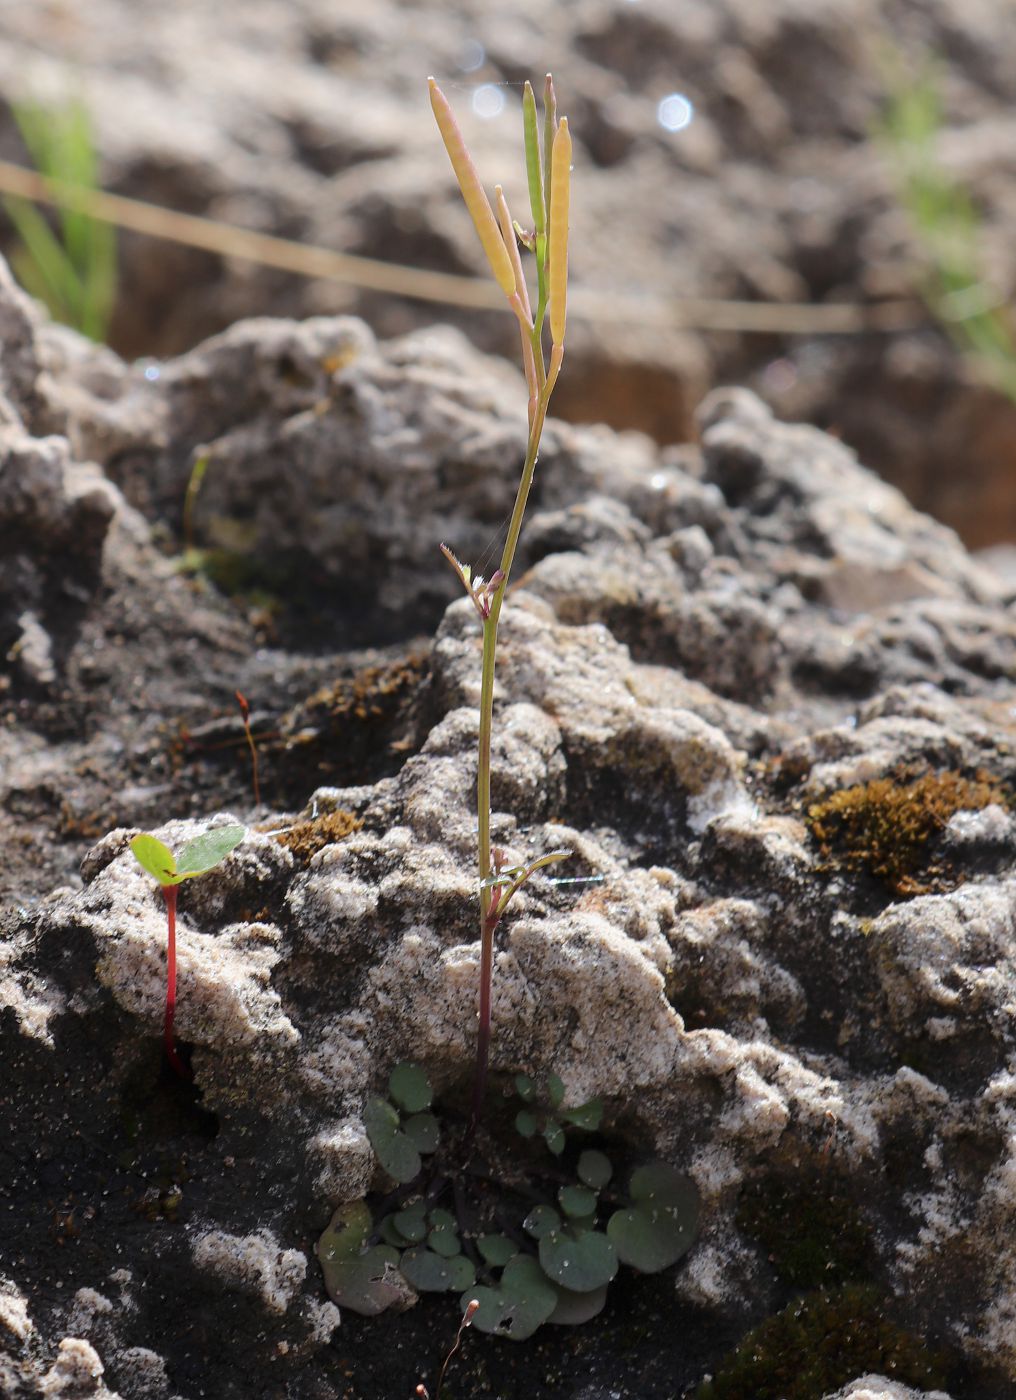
[[305, 839], [888, 826]]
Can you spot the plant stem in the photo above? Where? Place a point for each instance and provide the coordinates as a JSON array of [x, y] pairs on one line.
[[169, 893], [488, 899]]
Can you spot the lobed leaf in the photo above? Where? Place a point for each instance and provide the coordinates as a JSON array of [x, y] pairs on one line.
[[367, 1284], [393, 1149], [496, 1250]]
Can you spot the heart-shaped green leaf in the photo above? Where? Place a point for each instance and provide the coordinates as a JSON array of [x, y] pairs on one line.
[[346, 1232], [579, 1264], [662, 1224], [410, 1088], [432, 1273], [518, 1305], [444, 1236]]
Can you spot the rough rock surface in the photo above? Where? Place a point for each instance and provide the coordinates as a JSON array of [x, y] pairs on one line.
[[767, 706], [309, 120]]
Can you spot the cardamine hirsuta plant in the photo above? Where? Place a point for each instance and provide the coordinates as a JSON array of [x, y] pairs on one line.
[[548, 175]]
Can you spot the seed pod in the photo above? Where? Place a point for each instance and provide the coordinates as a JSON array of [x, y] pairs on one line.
[[534, 167], [472, 191], [560, 180], [549, 132]]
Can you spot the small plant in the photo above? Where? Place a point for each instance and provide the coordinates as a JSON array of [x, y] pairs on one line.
[[199, 856], [548, 175], [547, 1254], [241, 700], [550, 1123], [72, 270]]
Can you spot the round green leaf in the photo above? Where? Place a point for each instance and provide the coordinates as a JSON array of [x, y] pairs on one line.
[[555, 1090], [521, 1302], [594, 1169], [206, 850], [394, 1150], [577, 1201], [496, 1250], [345, 1233], [411, 1223], [525, 1123], [423, 1131], [579, 1264], [540, 1221], [432, 1273], [575, 1308], [155, 858], [444, 1240], [410, 1088], [553, 1135], [585, 1115], [525, 1088], [367, 1283]]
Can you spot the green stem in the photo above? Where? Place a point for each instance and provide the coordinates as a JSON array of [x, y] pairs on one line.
[[488, 917]]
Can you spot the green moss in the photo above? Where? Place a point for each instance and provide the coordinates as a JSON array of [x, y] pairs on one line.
[[887, 827], [819, 1343], [810, 1229]]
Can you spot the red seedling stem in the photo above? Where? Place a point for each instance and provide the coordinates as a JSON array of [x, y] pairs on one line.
[[245, 715], [169, 895]]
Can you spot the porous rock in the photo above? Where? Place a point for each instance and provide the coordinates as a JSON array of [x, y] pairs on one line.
[[683, 678]]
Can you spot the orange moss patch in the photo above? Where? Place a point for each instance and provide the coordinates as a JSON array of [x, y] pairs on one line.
[[887, 825], [307, 838]]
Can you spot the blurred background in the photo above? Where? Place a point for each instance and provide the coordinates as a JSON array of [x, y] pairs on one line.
[[815, 198]]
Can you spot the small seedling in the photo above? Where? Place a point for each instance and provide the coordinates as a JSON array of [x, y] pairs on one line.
[[241, 700], [399, 1127], [549, 179], [549, 1123], [199, 856], [551, 1262]]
